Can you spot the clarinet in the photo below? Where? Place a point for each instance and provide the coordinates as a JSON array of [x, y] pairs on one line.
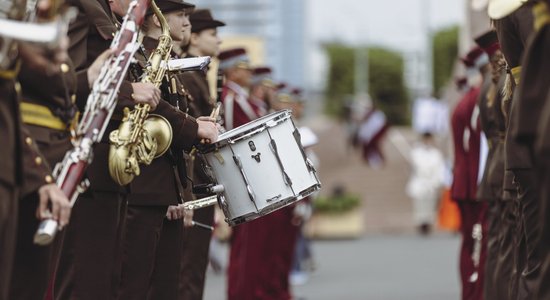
[[69, 173]]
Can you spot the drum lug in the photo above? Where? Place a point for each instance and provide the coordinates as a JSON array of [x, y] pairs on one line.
[[286, 178], [219, 157], [257, 157], [252, 146], [239, 164]]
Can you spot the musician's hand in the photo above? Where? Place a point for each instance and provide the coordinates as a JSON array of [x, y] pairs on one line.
[[208, 129], [50, 195], [95, 67], [146, 93], [174, 212], [187, 217]]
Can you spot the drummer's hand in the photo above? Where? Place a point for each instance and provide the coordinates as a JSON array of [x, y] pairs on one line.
[[208, 129], [188, 217], [174, 212]]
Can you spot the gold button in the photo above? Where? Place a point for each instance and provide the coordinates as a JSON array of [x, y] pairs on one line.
[[64, 68], [17, 87], [73, 98], [38, 160], [28, 140], [113, 34], [48, 179]]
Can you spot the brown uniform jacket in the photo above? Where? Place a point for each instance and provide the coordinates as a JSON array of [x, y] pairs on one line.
[[200, 104], [18, 145], [533, 90], [513, 32], [493, 125], [10, 123], [160, 182], [47, 110], [90, 34]]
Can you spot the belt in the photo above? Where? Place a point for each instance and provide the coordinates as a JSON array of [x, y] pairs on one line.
[[516, 73], [39, 115], [11, 73]]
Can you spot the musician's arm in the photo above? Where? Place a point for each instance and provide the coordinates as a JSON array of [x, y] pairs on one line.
[[184, 127]]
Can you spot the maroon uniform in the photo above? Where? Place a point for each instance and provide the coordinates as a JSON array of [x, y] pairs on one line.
[[463, 190]]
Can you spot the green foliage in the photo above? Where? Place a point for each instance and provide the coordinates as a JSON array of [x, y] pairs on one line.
[[336, 204], [445, 51], [386, 83]]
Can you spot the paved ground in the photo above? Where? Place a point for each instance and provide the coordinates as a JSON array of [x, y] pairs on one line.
[[390, 261], [377, 267]]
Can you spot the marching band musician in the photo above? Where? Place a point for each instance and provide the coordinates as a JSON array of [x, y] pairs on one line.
[[262, 91], [25, 173], [531, 128], [237, 109], [493, 124], [466, 139], [84, 270], [48, 111], [154, 217], [204, 42], [513, 33]]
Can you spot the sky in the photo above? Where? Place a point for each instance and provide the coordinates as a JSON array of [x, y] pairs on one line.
[[397, 24]]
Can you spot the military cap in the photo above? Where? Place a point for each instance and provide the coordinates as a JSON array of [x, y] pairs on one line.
[[498, 9], [202, 19], [235, 57], [284, 93], [475, 58], [461, 82], [167, 6], [488, 41], [297, 94], [263, 75]]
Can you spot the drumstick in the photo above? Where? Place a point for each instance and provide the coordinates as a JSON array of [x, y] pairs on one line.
[[201, 225], [214, 114]]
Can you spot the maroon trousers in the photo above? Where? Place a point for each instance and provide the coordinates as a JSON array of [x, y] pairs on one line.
[[471, 213], [261, 257]]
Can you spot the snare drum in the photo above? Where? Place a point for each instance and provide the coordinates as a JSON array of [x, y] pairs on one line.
[[262, 167]]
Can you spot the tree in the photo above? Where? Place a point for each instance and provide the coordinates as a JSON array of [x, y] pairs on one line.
[[386, 82], [445, 51]]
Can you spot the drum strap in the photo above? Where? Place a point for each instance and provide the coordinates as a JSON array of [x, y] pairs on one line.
[[228, 109]]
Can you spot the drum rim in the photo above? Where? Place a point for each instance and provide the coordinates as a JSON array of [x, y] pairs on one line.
[[277, 117], [274, 207]]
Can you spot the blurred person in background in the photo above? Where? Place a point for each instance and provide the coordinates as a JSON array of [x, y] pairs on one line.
[[204, 41], [370, 133], [426, 181], [466, 140]]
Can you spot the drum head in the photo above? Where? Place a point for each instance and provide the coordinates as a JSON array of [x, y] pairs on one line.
[[248, 129]]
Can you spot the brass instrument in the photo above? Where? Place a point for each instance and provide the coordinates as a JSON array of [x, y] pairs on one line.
[[142, 137], [18, 22]]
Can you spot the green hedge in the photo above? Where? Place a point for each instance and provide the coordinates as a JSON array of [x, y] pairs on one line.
[[386, 82], [336, 204]]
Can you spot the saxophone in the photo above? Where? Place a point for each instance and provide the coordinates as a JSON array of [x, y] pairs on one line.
[[142, 137]]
